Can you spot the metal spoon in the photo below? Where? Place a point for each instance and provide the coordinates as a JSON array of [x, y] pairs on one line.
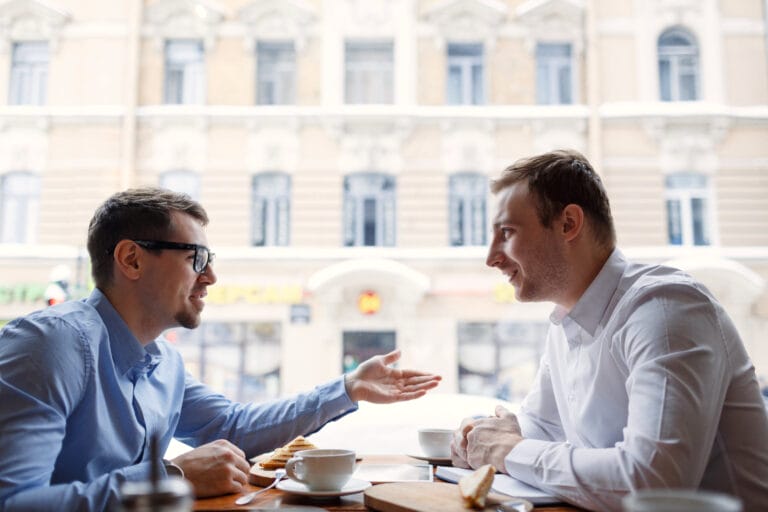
[[515, 506], [244, 500]]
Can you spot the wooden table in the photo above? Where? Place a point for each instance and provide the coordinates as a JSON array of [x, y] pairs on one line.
[[275, 498]]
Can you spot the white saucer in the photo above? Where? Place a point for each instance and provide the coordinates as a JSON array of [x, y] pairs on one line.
[[353, 486], [437, 461]]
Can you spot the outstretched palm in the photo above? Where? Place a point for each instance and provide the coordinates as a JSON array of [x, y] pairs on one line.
[[375, 381]]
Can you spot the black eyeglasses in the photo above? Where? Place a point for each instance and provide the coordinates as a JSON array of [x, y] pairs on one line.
[[203, 255]]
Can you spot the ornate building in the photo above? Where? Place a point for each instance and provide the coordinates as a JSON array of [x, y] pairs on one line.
[[343, 147]]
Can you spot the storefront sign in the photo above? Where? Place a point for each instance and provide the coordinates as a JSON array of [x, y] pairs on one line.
[[278, 294], [505, 293], [369, 303]]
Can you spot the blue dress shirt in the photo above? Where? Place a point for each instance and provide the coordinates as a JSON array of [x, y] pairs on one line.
[[80, 399]]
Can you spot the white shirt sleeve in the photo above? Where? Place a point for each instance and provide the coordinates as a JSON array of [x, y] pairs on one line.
[[673, 349]]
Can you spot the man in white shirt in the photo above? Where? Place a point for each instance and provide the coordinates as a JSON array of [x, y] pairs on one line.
[[644, 381]]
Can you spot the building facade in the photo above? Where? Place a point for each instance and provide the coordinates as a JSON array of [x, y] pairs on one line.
[[343, 150]]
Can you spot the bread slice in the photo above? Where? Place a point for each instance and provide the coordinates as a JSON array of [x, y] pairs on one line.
[[474, 487], [281, 455]]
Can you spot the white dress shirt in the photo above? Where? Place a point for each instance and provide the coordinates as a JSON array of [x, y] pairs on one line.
[[644, 383]]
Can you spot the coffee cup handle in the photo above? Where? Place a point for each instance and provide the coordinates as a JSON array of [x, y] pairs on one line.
[[290, 469]]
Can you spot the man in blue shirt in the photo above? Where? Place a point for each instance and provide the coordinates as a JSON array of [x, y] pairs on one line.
[[85, 385]]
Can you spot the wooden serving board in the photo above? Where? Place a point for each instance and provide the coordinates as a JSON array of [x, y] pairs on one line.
[[259, 476], [422, 497]]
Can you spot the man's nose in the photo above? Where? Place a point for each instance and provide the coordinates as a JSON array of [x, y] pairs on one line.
[[209, 274], [494, 256]]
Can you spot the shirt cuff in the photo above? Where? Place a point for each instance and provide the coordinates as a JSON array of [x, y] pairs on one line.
[[521, 461]]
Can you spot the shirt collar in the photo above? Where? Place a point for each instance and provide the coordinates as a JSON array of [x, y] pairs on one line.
[[591, 306], [127, 352]]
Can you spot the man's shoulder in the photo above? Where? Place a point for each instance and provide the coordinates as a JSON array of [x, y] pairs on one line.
[[65, 322]]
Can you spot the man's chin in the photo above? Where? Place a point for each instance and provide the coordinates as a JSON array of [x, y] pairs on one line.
[[189, 321]]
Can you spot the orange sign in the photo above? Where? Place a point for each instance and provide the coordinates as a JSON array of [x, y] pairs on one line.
[[369, 303]]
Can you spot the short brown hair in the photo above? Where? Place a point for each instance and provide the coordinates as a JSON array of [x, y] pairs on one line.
[[134, 214], [557, 179]]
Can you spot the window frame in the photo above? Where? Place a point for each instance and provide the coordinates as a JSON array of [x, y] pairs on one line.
[[364, 82], [370, 193], [470, 92], [184, 77], [271, 209], [685, 196], [674, 55], [467, 226], [549, 89], [19, 210], [28, 80], [277, 73]]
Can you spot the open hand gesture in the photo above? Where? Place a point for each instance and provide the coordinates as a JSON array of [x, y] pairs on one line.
[[375, 381]]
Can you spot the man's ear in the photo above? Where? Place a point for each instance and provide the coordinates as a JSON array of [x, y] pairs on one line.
[[572, 221], [127, 259]]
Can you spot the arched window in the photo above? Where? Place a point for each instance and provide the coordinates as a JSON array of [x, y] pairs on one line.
[[19, 207], [688, 209], [184, 181], [467, 208], [678, 66], [270, 209], [369, 210]]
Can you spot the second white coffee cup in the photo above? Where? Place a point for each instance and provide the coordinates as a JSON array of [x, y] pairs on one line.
[[321, 469]]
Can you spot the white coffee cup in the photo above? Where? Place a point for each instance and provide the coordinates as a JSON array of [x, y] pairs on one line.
[[321, 469], [679, 500], [435, 442]]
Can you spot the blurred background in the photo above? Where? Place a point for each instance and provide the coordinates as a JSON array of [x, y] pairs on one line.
[[343, 150]]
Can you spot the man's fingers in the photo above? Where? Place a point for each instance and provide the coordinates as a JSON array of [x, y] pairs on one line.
[[503, 412]]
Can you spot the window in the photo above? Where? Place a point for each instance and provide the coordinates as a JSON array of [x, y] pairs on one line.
[[688, 209], [499, 359], [369, 210], [678, 66], [361, 345], [271, 209], [554, 74], [241, 360], [19, 206], [275, 73], [29, 73], [466, 85], [184, 72], [369, 72], [182, 181], [467, 208]]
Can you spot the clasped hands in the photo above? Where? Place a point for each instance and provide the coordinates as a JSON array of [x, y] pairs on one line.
[[485, 440]]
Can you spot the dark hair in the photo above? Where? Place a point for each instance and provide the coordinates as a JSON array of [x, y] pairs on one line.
[[557, 179], [139, 213]]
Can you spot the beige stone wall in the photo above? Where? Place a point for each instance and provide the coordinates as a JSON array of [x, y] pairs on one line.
[[741, 8], [430, 73], [618, 69], [231, 73], [745, 69], [309, 72], [512, 73], [151, 71]]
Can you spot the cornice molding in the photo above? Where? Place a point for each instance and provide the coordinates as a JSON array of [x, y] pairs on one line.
[[171, 19], [266, 19], [466, 20], [31, 20]]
